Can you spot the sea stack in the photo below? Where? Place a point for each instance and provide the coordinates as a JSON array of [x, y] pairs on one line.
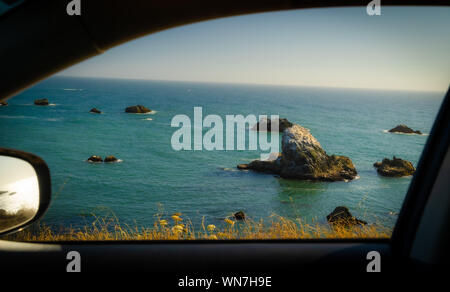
[[404, 129], [303, 158], [137, 109], [42, 101], [394, 168]]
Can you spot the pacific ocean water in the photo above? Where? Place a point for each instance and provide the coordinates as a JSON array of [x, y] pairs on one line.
[[154, 179]]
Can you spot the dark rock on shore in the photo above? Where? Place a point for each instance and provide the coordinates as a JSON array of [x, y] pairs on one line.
[[3, 103], [394, 168], [341, 216], [137, 109], [239, 215], [303, 158], [283, 124], [43, 101], [95, 158], [95, 111], [404, 129], [111, 159]]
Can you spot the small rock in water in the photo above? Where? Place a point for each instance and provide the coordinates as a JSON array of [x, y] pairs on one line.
[[394, 168], [3, 103], [341, 216], [42, 101], [404, 129], [95, 158], [95, 111], [239, 215], [137, 109], [111, 159]]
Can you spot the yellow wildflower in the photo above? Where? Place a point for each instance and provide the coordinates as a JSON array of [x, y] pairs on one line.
[[176, 218], [212, 237], [177, 228], [231, 222], [163, 222], [211, 227]]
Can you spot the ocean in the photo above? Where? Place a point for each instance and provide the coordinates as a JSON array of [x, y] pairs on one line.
[[153, 179]]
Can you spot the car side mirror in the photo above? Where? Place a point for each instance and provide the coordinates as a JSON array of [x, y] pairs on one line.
[[25, 189]]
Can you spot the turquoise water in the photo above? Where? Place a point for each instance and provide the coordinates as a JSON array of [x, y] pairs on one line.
[[153, 178]]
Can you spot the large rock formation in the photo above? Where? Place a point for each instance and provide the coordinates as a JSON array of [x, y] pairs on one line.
[[341, 216], [303, 158], [137, 109], [42, 101], [95, 111], [394, 168], [404, 129], [283, 124]]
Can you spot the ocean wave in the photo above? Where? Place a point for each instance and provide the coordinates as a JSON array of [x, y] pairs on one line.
[[229, 169], [28, 117], [14, 117], [72, 89], [148, 119], [356, 177]]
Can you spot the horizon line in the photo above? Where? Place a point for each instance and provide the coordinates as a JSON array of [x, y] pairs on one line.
[[253, 84]]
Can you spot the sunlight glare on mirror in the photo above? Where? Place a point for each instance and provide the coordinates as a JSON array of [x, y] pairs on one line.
[[19, 192]]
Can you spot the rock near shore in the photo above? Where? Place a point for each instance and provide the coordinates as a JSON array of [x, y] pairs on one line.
[[396, 167], [283, 124], [3, 103], [239, 215], [341, 216], [404, 129], [303, 158], [43, 101], [137, 109]]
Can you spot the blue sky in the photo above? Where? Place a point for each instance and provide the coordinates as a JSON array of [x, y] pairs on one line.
[[404, 48]]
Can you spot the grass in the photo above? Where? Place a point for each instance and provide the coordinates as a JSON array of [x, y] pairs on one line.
[[110, 229]]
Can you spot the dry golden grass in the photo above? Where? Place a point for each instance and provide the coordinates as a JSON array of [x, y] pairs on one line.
[[108, 229]]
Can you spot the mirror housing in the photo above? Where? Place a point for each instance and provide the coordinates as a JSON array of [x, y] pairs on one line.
[[34, 189]]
